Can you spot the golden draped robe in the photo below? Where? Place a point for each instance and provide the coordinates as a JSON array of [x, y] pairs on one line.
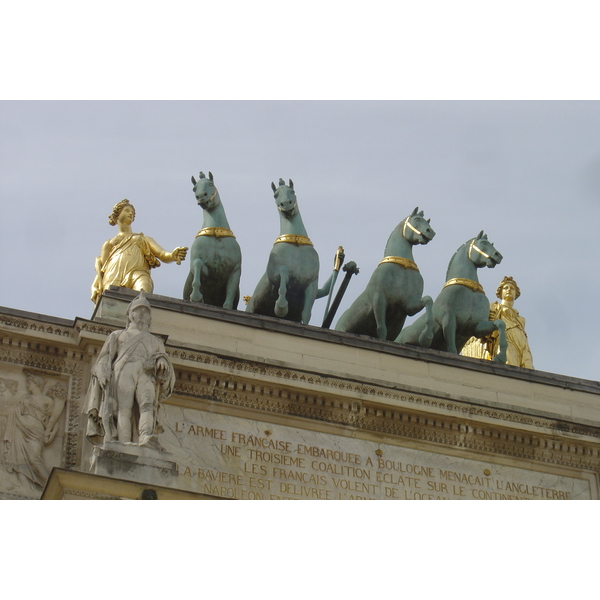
[[518, 352], [128, 265]]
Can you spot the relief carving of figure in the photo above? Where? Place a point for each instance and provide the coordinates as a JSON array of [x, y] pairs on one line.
[[8, 386], [32, 425], [8, 391], [518, 352], [126, 259], [8, 397], [130, 378]]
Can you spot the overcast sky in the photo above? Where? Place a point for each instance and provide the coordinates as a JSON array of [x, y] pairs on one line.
[[527, 173]]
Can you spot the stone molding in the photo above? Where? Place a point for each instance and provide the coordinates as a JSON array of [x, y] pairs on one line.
[[96, 328], [207, 381], [460, 426], [37, 326]]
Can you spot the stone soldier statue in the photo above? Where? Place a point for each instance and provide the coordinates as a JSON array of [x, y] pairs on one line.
[[126, 259], [132, 375], [518, 352]]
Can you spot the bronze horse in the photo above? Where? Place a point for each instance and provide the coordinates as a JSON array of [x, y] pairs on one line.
[[461, 310], [290, 284], [215, 257]]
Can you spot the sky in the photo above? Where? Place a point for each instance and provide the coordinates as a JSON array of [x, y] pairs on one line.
[[525, 172]]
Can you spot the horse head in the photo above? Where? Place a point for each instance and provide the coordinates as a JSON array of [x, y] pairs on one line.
[[416, 229], [481, 252], [285, 198], [206, 193]]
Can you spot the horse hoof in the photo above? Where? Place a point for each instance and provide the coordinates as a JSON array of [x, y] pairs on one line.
[[281, 311], [425, 339], [499, 358], [196, 297]]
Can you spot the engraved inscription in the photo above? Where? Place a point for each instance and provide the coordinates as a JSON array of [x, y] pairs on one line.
[[238, 458]]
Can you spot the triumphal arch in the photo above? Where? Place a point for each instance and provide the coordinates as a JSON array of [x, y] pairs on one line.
[[247, 406]]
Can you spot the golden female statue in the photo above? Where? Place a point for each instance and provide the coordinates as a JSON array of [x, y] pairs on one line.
[[518, 353], [126, 259]]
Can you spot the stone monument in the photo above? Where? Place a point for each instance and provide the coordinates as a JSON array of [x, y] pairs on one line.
[[132, 375], [221, 404]]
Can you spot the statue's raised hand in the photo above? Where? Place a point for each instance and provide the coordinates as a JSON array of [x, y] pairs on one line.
[[179, 254]]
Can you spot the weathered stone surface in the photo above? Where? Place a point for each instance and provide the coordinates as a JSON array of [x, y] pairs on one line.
[[134, 463], [298, 394], [240, 458]]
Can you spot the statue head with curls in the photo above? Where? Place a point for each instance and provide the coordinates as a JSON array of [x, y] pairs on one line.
[[113, 218]]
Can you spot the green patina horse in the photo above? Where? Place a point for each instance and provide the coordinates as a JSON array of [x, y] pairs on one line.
[[395, 289], [462, 309], [290, 284], [215, 257]]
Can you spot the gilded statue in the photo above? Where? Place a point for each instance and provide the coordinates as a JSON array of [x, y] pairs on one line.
[[126, 259], [518, 353], [131, 377]]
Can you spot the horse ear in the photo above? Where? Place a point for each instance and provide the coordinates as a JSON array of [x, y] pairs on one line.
[[414, 212], [291, 184], [480, 235], [194, 181], [273, 187], [429, 220], [210, 176]]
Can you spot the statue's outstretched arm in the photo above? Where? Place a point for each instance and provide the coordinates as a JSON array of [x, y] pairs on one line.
[[177, 255]]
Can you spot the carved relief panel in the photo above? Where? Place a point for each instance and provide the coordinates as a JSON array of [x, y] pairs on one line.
[[33, 413]]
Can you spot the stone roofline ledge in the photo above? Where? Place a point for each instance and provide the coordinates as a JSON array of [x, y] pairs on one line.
[[107, 311], [333, 355]]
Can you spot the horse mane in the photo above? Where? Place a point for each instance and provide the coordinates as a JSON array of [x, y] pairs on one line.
[[389, 240], [455, 255]]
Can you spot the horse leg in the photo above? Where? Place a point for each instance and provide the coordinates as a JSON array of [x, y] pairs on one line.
[[393, 331], [233, 285], [426, 336], [449, 330], [324, 291], [310, 294], [260, 294], [196, 269], [503, 342], [486, 327], [281, 305], [379, 311], [187, 288]]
